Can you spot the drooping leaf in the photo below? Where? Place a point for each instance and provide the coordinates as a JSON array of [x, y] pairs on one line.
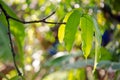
[[61, 30], [98, 38], [71, 28], [86, 25]]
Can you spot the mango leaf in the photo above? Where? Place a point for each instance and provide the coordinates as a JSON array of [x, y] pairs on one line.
[[86, 25], [61, 30], [98, 38], [71, 28], [17, 29]]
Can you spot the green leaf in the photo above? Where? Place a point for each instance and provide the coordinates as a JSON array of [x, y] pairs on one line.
[[87, 32], [61, 33], [61, 30], [71, 28], [98, 38]]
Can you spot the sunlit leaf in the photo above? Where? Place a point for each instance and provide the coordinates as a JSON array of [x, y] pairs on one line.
[[86, 25], [61, 33], [78, 38], [61, 30], [98, 38], [71, 28]]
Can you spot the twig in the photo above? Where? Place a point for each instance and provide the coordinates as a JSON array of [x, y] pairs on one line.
[[11, 44], [37, 21], [49, 15]]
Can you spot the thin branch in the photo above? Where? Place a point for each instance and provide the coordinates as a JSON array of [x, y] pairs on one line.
[[10, 38], [36, 21], [49, 15]]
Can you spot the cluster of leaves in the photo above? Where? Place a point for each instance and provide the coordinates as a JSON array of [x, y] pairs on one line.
[[76, 20]]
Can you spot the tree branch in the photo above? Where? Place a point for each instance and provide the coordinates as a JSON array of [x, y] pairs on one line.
[[37, 21]]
